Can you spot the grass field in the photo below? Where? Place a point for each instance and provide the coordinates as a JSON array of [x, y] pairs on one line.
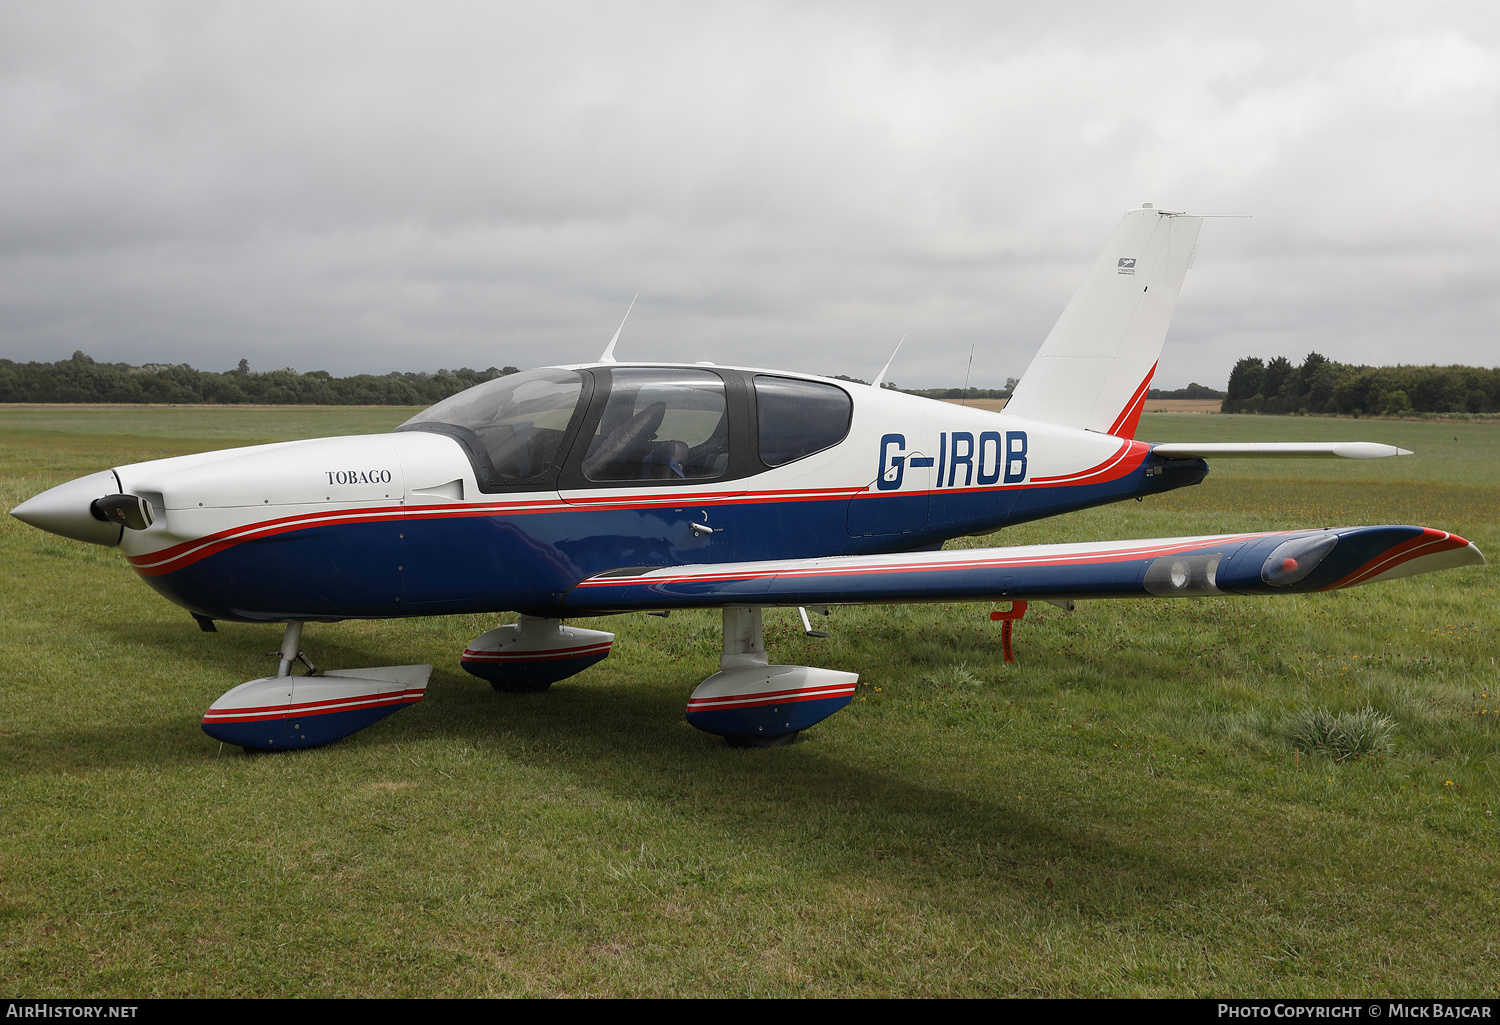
[[1117, 813]]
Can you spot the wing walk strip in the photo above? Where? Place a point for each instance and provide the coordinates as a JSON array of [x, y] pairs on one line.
[[349, 704]]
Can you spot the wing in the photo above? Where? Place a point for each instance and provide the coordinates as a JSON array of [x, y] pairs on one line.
[[1283, 562]]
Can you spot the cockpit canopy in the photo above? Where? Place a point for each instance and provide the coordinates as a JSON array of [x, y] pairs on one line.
[[636, 424]]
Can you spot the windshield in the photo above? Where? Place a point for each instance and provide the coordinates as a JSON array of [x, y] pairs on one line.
[[519, 420]]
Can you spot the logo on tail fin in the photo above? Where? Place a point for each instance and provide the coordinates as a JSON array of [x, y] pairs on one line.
[[1126, 265]]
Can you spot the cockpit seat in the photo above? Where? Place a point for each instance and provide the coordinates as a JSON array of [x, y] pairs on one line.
[[663, 461]]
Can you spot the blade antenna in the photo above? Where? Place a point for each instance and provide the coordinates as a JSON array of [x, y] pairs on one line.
[[609, 350], [966, 375], [881, 376]]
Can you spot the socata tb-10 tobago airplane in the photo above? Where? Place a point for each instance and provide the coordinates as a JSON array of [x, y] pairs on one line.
[[621, 487]]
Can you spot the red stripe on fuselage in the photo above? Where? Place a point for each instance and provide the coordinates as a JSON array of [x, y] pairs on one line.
[[1122, 461], [175, 557], [188, 552]]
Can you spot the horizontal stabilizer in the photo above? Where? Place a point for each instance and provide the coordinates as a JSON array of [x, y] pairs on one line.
[[1279, 450], [1281, 562]]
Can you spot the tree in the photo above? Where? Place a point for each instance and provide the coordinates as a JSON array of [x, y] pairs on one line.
[[1314, 362], [1244, 384], [1277, 372]]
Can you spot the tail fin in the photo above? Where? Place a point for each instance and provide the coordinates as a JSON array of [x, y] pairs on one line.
[[1095, 367]]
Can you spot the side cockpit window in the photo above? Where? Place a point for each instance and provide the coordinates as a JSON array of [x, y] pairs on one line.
[[797, 418], [518, 422], [660, 425]]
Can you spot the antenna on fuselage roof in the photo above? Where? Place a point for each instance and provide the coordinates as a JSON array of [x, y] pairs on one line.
[[968, 372], [881, 376], [609, 350]]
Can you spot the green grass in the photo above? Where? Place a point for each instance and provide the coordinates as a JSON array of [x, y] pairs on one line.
[[1119, 812]]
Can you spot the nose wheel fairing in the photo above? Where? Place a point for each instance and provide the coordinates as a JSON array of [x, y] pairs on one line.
[[285, 712], [280, 713]]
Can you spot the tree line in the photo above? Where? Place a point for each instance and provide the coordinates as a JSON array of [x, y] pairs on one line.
[[1319, 385], [1192, 391], [1316, 385], [82, 379]]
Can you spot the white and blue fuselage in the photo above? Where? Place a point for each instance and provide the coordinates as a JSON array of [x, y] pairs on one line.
[[406, 524]]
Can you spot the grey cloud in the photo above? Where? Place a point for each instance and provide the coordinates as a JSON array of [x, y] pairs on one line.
[[368, 187]]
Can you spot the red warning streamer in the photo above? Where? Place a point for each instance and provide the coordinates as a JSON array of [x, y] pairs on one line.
[[1005, 619]]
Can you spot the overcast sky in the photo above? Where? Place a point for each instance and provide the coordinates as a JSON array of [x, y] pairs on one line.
[[367, 187]]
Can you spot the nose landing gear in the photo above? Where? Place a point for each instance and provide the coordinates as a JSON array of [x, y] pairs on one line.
[[284, 712]]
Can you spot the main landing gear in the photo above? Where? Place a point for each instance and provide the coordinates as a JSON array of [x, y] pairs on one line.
[[753, 704], [281, 712], [748, 702], [531, 655]]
